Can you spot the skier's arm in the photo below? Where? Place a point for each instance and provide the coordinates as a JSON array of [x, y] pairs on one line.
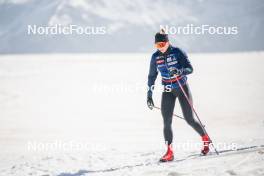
[[185, 63], [152, 76]]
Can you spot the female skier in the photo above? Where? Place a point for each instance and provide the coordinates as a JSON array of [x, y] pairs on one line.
[[173, 64]]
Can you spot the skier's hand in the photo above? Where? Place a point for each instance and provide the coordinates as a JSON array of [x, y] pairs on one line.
[[150, 103], [175, 71]]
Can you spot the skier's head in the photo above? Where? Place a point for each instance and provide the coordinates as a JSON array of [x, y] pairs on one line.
[[162, 41]]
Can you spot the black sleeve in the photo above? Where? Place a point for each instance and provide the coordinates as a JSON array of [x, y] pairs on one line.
[[185, 62], [152, 76]]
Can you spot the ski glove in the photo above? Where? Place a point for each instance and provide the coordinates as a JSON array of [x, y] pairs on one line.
[[150, 103], [175, 71]]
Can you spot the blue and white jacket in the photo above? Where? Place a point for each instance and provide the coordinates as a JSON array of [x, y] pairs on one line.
[[173, 58]]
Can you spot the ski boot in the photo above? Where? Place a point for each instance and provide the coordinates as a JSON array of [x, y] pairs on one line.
[[168, 156], [206, 142]]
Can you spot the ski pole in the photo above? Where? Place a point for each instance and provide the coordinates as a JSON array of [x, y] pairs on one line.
[[190, 103], [175, 115]]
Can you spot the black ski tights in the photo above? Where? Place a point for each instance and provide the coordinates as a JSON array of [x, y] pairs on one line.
[[167, 107]]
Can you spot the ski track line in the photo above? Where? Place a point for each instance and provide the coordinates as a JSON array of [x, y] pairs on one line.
[[192, 156]]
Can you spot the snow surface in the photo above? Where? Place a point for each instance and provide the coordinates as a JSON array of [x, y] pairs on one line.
[[47, 99]]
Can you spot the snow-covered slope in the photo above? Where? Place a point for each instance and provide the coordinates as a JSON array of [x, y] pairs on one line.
[[52, 100], [130, 24]]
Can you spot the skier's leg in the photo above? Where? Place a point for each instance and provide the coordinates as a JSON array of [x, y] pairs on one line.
[[188, 115], [187, 111], [167, 107]]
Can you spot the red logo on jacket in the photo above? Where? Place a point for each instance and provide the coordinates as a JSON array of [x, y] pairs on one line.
[[160, 61]]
